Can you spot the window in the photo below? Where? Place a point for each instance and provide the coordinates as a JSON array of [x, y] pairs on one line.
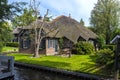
[[54, 43], [50, 43], [42, 44], [25, 43]]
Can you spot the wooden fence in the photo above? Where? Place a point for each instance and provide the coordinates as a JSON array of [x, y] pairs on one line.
[[6, 66]]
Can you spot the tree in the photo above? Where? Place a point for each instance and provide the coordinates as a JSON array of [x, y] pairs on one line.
[[7, 11], [105, 18], [5, 32], [25, 19], [100, 41], [4, 9], [39, 29], [30, 16], [38, 34], [82, 22], [116, 32]]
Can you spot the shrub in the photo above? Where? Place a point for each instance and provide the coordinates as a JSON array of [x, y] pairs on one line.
[[105, 56], [83, 47], [1, 46], [12, 44], [100, 41], [112, 47]]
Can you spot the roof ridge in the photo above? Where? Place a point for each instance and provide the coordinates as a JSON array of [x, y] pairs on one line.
[[60, 17]]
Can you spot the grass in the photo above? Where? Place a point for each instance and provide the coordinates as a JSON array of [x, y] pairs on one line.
[[9, 49], [79, 63]]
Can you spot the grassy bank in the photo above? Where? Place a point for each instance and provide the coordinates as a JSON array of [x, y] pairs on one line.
[[9, 49], [79, 63]]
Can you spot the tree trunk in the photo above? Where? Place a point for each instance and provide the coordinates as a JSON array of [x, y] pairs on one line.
[[107, 40], [108, 36], [36, 54], [38, 33]]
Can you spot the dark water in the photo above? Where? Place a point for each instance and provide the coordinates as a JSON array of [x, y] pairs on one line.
[[30, 74]]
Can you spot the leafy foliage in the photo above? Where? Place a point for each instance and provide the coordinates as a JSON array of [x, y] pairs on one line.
[[82, 22], [4, 9], [105, 56], [100, 41], [61, 43], [105, 18], [12, 44], [111, 47], [116, 32], [1, 46], [5, 32], [7, 11], [25, 19], [84, 48]]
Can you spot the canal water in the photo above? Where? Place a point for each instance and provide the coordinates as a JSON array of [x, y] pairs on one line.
[[30, 74]]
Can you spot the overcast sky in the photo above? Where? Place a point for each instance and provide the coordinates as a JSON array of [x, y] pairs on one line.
[[77, 8]]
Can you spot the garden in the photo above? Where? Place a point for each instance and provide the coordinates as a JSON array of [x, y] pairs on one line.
[[86, 60]]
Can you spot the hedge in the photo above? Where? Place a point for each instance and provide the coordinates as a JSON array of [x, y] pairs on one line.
[[1, 46], [111, 47], [105, 56], [83, 47], [12, 44]]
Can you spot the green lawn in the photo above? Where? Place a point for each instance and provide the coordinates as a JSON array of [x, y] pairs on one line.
[[79, 63], [9, 49]]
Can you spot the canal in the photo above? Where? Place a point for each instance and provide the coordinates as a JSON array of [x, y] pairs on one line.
[[30, 74]]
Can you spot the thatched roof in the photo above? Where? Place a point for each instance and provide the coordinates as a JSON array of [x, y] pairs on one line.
[[65, 27], [37, 23], [17, 30], [71, 29]]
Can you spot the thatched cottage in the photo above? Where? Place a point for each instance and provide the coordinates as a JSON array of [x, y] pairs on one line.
[[65, 27]]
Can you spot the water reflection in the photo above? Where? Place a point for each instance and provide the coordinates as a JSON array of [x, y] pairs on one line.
[[29, 74]]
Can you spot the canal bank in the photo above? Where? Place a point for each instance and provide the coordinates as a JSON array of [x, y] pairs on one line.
[[32, 74], [79, 76]]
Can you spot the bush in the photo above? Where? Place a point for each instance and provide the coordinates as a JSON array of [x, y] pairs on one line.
[[1, 46], [12, 44], [105, 56], [83, 47], [100, 41], [112, 47]]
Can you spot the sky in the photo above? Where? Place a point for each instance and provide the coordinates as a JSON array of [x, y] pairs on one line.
[[76, 8]]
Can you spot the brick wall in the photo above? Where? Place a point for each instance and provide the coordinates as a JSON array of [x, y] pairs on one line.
[[50, 51]]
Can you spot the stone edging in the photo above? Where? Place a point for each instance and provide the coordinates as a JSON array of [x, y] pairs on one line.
[[65, 72]]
